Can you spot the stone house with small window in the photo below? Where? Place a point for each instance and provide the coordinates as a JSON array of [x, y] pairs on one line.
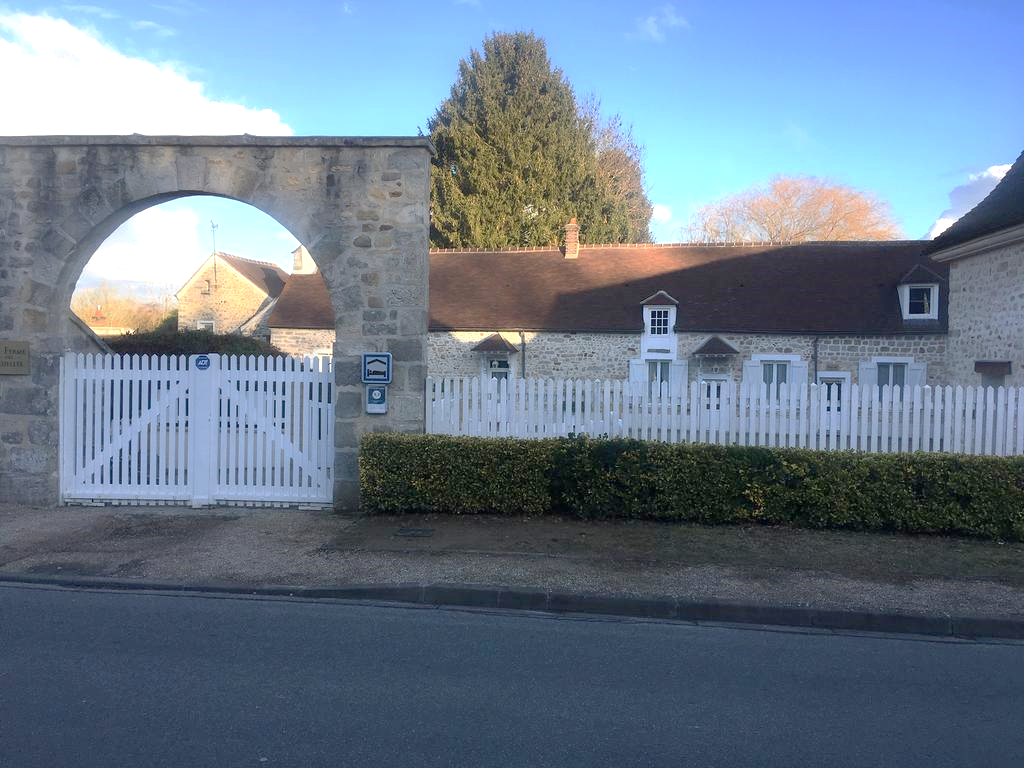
[[229, 294], [984, 252], [301, 321]]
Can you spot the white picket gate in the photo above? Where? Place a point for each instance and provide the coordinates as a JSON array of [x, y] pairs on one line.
[[200, 429], [874, 419]]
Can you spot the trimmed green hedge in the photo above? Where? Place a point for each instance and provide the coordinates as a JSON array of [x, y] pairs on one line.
[[599, 479], [161, 342]]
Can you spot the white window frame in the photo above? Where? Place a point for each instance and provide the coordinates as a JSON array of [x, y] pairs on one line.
[[722, 380], [660, 346], [795, 367], [825, 377], [678, 376], [891, 363], [933, 302], [206, 325], [487, 369], [917, 373], [658, 320], [662, 370]]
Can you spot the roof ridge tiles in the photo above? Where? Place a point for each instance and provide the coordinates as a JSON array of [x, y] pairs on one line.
[[224, 254], [521, 248], [727, 244]]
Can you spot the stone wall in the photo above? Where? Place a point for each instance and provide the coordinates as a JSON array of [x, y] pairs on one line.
[[227, 298], [303, 342], [607, 355], [832, 353], [361, 205], [549, 355], [986, 313]]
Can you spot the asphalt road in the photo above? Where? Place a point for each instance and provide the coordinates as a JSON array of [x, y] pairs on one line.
[[91, 678]]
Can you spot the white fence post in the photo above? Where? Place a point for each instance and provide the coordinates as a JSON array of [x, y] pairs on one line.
[[203, 384]]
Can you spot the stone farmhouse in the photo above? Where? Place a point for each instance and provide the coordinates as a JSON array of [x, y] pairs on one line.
[[948, 311], [229, 294]]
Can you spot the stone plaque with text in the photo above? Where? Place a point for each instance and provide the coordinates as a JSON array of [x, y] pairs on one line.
[[14, 357]]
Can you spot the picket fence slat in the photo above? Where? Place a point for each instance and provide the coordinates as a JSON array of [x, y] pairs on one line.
[[887, 419]]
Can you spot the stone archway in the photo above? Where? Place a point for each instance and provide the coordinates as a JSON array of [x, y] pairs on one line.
[[360, 205]]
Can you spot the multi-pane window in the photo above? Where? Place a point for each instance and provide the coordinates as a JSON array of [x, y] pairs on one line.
[[205, 325], [774, 374], [894, 374], [659, 322]]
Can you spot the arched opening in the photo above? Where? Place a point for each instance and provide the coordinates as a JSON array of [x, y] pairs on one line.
[[205, 263], [220, 389]]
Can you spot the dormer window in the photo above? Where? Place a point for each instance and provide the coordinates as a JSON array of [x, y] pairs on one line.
[[919, 301], [918, 291], [659, 338]]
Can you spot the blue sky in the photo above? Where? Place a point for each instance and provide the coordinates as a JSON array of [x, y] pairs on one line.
[[920, 103]]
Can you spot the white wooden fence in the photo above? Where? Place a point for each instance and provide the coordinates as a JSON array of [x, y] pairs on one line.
[[204, 429], [876, 419]]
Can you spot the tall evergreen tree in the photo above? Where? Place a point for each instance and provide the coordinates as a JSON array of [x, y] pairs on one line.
[[516, 156]]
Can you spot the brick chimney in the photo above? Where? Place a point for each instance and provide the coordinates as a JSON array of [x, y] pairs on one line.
[[572, 239]]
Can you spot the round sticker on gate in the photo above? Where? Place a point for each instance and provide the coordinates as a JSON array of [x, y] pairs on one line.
[[202, 362]]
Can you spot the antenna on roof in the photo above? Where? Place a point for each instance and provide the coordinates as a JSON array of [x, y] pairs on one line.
[[213, 234]]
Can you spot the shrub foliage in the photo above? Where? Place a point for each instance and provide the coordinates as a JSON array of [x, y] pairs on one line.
[[600, 479], [189, 343]]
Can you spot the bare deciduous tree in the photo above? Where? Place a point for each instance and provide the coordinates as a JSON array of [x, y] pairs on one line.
[[107, 305], [794, 209], [620, 165]]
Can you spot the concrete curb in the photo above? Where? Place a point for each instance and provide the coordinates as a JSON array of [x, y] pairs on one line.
[[519, 598]]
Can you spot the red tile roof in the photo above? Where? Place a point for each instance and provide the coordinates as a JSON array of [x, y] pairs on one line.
[[834, 287], [304, 303], [269, 278]]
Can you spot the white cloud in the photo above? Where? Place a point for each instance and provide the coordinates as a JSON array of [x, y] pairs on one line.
[[654, 25], [964, 197], [157, 246], [152, 26], [92, 10], [93, 89], [661, 214]]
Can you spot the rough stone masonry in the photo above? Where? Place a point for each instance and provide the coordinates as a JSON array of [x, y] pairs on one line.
[[359, 205]]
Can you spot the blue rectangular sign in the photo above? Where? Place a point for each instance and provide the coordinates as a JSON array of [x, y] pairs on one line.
[[376, 367]]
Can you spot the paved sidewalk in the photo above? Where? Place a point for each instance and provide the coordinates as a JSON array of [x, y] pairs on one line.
[[625, 568]]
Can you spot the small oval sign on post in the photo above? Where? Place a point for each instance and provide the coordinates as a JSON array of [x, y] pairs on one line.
[[202, 362]]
